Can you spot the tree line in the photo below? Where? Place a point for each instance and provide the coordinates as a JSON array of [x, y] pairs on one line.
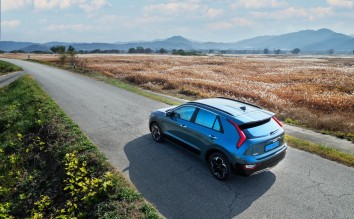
[[184, 52]]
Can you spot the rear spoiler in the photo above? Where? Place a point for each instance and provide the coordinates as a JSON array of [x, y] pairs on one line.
[[260, 116]]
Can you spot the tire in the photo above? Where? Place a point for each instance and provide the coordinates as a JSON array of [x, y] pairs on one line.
[[219, 166], [156, 132]]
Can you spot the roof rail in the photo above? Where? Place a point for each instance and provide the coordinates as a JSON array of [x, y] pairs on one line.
[[226, 98], [206, 105]]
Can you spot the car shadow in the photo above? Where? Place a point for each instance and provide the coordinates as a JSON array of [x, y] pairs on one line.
[[181, 186]]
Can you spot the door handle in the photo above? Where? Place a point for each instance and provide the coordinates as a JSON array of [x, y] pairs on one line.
[[213, 137], [183, 126]]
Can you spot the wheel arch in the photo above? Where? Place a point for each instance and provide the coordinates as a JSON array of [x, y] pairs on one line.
[[213, 150]]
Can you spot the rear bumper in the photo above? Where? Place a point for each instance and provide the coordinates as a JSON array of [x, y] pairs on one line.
[[251, 169]]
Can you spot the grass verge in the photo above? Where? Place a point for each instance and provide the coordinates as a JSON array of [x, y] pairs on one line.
[[322, 151], [132, 88], [348, 136], [338, 134], [6, 67], [50, 169]]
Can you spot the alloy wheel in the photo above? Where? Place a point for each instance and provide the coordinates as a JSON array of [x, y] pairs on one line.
[[156, 133]]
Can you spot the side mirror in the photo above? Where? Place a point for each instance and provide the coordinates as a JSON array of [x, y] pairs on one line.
[[169, 113]]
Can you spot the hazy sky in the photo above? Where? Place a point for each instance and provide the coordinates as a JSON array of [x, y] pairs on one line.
[[203, 20]]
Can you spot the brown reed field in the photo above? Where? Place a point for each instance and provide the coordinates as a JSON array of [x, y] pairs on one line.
[[316, 92]]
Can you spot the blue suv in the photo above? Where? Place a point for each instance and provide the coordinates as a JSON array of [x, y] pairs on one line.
[[230, 135]]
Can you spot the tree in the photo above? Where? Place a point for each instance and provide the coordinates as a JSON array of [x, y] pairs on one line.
[[353, 51], [58, 49], [17, 51], [148, 50], [61, 51], [140, 49], [162, 51], [266, 51], [132, 50], [72, 58], [96, 51], [179, 52], [277, 51], [71, 50], [295, 51]]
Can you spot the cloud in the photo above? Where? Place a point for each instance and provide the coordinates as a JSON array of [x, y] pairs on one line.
[[50, 4], [221, 25], [10, 23], [341, 3], [213, 13], [69, 27], [8, 5], [174, 7], [189, 7], [242, 22], [258, 4], [226, 25], [88, 6], [128, 22], [292, 12], [94, 5]]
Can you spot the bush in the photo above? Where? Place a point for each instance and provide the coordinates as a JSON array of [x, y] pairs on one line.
[[49, 169], [6, 67]]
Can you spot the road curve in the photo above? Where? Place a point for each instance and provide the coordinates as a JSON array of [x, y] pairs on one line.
[[301, 186]]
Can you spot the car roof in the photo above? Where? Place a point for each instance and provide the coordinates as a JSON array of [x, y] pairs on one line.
[[229, 106]]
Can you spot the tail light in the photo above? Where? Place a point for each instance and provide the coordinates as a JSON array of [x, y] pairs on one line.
[[275, 119], [240, 133]]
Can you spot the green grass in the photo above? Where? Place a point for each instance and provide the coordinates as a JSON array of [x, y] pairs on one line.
[[338, 134], [348, 136], [50, 169], [323, 151], [6, 67], [293, 122]]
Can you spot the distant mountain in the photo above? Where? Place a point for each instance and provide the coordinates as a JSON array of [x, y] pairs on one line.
[[305, 40], [36, 47], [310, 40], [50, 44], [11, 45]]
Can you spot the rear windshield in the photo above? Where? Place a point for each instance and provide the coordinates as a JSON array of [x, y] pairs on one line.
[[260, 129]]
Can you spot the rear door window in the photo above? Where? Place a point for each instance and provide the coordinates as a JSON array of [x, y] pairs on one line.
[[208, 119]]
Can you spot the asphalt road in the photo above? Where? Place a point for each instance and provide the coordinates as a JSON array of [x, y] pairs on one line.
[[9, 78], [301, 186]]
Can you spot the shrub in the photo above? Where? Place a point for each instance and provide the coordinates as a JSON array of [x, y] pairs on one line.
[[49, 169]]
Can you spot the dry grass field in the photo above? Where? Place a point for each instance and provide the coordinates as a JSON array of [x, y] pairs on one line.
[[315, 92]]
